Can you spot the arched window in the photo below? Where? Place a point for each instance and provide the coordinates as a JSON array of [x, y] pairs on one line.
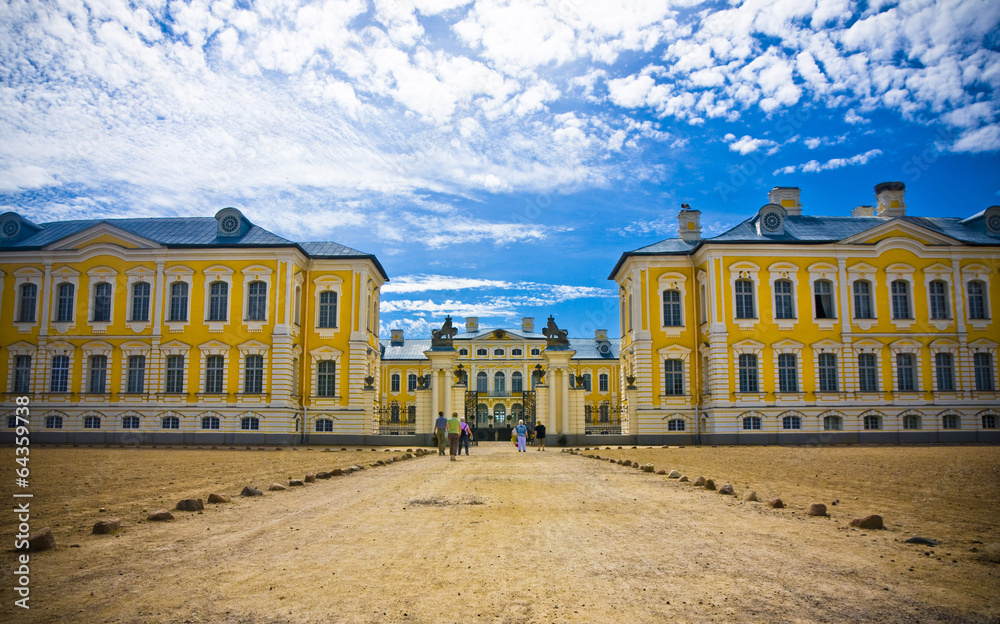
[[833, 423], [170, 422], [210, 422], [516, 382], [411, 382], [784, 304], [604, 412], [178, 301], [324, 424], [788, 373], [671, 308], [791, 422], [215, 374], [253, 374], [394, 383], [751, 423], [863, 308], [602, 382], [499, 413], [901, 300], [989, 421], [939, 300], [29, 301], [102, 302], [218, 301], [827, 372], [64, 309], [326, 385], [745, 308], [328, 309], [536, 351], [675, 424], [482, 382], [748, 373], [59, 381], [951, 421], [872, 422], [256, 301], [130, 422], [463, 352], [516, 352], [498, 352], [140, 301], [587, 381], [482, 352], [911, 421], [394, 412], [823, 299], [91, 422], [977, 300], [499, 383], [53, 422], [249, 423]]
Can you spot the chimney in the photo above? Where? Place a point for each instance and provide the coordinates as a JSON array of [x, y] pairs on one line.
[[600, 335], [471, 324], [396, 337], [863, 211], [528, 324], [788, 198], [889, 199], [689, 224]]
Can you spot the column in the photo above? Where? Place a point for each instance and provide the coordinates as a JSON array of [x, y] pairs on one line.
[[564, 391]]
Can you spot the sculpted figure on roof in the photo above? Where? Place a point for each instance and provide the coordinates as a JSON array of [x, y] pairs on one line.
[[556, 336], [443, 337]]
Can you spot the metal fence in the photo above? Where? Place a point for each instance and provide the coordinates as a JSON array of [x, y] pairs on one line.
[[603, 419], [394, 419]]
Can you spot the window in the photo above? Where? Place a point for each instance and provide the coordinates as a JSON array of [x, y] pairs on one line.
[[170, 422], [516, 352], [784, 307], [136, 379], [939, 300], [499, 383], [703, 308], [92, 422], [253, 374], [587, 382], [671, 308], [901, 300], [572, 381], [215, 369], [394, 383], [210, 422], [130, 422], [411, 382], [60, 374], [102, 302], [791, 422], [97, 376], [905, 377], [482, 352], [297, 313], [218, 301], [326, 384], [751, 423], [788, 379], [249, 423], [675, 424], [602, 382], [833, 423], [827, 372], [989, 421], [748, 373], [911, 421], [29, 299], [823, 299], [256, 301], [516, 382], [175, 374], [744, 300], [863, 300], [482, 382], [22, 374], [64, 309], [53, 422], [178, 301], [140, 301], [868, 372], [673, 371], [498, 352], [983, 363], [872, 422], [324, 424], [463, 352], [536, 351], [944, 364], [951, 421], [977, 300]]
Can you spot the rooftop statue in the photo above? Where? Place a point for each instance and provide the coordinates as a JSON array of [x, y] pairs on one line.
[[556, 337], [443, 337]]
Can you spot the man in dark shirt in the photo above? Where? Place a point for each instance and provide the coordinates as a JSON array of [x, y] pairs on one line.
[[441, 431], [540, 435]]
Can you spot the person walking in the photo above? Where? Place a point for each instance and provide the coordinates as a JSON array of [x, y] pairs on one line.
[[463, 440], [522, 432], [454, 426], [441, 432], [540, 435]]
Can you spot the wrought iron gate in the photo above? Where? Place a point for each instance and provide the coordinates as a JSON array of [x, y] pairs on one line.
[[530, 408]]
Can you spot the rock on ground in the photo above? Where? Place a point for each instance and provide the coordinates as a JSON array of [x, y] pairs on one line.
[[868, 522], [674, 475], [218, 498], [249, 491], [776, 503], [191, 504], [990, 553], [683, 479], [750, 496], [816, 509], [160, 515], [276, 487], [310, 477], [698, 482], [40, 540], [109, 525], [661, 471], [295, 482], [709, 484], [647, 467], [727, 489]]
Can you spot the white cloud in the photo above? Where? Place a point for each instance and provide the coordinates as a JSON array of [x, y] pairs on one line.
[[747, 144], [814, 166], [985, 139]]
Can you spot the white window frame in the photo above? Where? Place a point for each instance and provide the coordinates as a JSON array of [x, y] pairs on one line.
[[940, 273], [257, 273], [149, 379], [60, 276], [134, 276], [873, 347], [957, 373], [912, 347], [970, 273], [173, 275], [748, 347], [672, 281], [868, 273], [22, 276], [788, 272], [95, 276], [321, 284], [248, 348], [749, 271], [983, 345], [317, 355], [90, 349], [788, 347], [212, 347], [214, 274], [822, 271], [902, 272], [835, 349]]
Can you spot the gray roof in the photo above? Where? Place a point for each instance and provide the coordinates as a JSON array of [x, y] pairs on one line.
[[182, 232], [413, 349], [819, 230]]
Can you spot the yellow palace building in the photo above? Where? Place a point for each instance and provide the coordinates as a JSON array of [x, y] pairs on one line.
[[873, 326], [185, 330]]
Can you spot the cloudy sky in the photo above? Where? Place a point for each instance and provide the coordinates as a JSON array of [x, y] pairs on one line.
[[496, 155]]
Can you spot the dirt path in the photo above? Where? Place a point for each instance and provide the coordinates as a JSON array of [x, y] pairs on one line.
[[498, 537]]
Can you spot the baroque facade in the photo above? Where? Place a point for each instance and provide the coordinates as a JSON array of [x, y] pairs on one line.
[[789, 327], [193, 330]]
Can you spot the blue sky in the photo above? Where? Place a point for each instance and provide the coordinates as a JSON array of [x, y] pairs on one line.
[[499, 155]]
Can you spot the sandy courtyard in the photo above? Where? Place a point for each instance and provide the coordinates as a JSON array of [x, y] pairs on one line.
[[507, 537]]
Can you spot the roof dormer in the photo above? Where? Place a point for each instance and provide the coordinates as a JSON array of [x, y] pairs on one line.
[[771, 220], [14, 228], [232, 223]]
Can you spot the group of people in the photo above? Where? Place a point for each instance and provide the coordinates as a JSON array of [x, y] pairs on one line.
[[457, 434]]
